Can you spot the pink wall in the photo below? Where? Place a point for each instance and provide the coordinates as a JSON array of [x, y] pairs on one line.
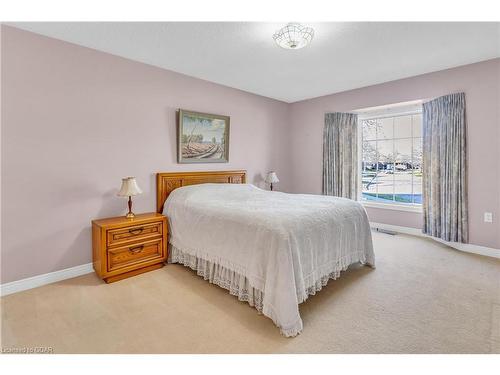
[[481, 84], [76, 120]]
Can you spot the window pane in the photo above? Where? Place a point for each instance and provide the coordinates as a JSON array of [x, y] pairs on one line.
[[403, 170], [417, 170], [385, 177], [369, 154], [417, 155], [369, 129], [370, 185], [402, 151], [385, 186], [385, 152], [402, 127], [417, 125], [417, 189], [369, 169], [385, 128], [403, 188]]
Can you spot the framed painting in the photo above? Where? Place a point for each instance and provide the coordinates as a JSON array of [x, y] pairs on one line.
[[202, 138]]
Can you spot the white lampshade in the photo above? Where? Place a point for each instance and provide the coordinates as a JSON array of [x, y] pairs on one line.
[[129, 187], [272, 178]]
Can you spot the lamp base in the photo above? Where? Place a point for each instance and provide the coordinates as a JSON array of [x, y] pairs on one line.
[[130, 214]]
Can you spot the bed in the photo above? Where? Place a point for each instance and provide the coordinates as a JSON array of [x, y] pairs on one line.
[[270, 249]]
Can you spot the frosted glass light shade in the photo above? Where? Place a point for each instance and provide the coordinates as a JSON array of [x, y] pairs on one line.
[[272, 178], [129, 187], [293, 36]]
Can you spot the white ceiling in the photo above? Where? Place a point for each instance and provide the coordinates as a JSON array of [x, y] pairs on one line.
[[243, 55]]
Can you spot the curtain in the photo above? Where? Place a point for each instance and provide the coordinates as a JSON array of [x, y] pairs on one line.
[[340, 155], [444, 168]]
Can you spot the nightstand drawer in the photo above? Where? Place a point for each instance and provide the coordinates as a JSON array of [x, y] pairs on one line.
[[132, 254], [136, 232]]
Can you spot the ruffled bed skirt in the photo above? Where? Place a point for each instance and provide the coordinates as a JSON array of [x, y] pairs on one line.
[[238, 285]]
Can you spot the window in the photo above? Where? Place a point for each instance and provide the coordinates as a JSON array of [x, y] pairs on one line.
[[391, 170]]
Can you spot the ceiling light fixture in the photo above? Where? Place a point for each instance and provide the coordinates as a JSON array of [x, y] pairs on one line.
[[293, 36]]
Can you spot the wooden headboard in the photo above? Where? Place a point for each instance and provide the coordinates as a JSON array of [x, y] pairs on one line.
[[166, 182]]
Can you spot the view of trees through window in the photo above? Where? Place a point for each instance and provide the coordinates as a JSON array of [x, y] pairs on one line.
[[392, 159]]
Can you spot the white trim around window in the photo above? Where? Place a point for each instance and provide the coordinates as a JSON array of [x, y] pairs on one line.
[[378, 113], [395, 207], [388, 115]]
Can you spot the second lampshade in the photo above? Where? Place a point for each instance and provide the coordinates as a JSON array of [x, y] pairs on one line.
[[271, 179], [129, 189]]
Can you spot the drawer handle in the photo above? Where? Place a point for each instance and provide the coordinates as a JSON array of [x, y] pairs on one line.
[[136, 231], [137, 249]]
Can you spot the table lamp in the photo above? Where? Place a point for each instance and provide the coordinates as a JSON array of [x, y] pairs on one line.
[[129, 188], [271, 179]]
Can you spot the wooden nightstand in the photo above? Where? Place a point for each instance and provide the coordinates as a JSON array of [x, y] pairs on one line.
[[124, 247]]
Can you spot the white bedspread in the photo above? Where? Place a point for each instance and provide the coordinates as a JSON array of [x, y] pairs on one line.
[[286, 245]]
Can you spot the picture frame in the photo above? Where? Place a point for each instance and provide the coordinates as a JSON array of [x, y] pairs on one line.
[[202, 137]]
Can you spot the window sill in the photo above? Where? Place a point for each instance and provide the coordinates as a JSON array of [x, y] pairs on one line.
[[395, 207]]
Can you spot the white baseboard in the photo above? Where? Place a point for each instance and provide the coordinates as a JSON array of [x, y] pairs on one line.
[[466, 247], [47, 278], [68, 273]]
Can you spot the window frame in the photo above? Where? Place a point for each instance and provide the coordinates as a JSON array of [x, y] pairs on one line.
[[375, 115]]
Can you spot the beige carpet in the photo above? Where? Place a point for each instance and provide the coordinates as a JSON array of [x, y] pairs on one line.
[[422, 298]]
